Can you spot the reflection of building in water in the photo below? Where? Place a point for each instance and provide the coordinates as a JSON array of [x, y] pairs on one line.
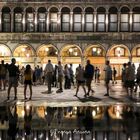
[[116, 121], [70, 31]]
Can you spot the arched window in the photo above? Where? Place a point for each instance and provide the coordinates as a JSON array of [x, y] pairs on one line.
[[18, 17], [124, 25], [30, 18], [113, 19], [89, 24], [136, 19], [53, 19], [6, 19], [41, 19], [77, 19], [65, 20], [101, 19]]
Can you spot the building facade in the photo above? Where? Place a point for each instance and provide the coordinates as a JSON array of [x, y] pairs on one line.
[[72, 31]]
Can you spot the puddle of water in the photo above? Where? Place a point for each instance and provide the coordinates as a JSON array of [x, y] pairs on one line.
[[113, 122]]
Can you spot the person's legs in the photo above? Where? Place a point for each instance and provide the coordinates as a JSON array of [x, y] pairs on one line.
[[88, 85], [30, 87], [9, 89], [15, 90], [77, 89], [84, 88], [107, 87], [25, 87]]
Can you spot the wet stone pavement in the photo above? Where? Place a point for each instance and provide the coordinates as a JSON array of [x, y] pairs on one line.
[[62, 116]]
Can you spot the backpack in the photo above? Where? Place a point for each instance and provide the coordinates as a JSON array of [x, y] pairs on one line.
[[89, 71]]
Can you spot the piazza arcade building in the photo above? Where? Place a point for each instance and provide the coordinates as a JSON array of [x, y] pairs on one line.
[[35, 31]]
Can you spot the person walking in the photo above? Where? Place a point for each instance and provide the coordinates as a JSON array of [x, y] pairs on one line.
[[28, 76], [130, 77], [108, 76], [80, 79], [49, 73], [60, 76], [89, 73], [13, 77]]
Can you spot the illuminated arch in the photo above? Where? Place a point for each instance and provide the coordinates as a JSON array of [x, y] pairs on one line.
[[71, 50], [88, 50], [46, 50], [109, 52], [24, 50], [5, 51]]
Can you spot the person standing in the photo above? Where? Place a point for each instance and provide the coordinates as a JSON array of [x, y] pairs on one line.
[[60, 76], [3, 71], [28, 74], [114, 75], [13, 77], [108, 76], [71, 74], [89, 73], [49, 73], [130, 77], [80, 79]]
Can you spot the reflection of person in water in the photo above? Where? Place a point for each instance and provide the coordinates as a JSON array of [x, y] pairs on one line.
[[80, 116], [49, 115], [13, 119], [128, 121], [27, 119], [88, 120]]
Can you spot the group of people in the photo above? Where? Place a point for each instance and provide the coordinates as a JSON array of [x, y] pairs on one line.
[[55, 76]]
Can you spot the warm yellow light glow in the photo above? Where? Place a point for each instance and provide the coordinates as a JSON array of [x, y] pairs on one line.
[[70, 50], [23, 49], [47, 49], [94, 49], [76, 53], [93, 113], [118, 49], [27, 54]]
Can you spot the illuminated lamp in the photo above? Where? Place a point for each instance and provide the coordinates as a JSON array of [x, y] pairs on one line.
[[94, 49], [47, 49]]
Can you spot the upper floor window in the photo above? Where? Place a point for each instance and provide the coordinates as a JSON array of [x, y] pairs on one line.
[[101, 20], [77, 19], [136, 19], [65, 20], [6, 19], [30, 25], [18, 20], [89, 21], [113, 19], [41, 19], [53, 19], [124, 25]]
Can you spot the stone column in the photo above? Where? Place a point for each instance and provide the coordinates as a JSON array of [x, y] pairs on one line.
[[95, 21], [83, 21], [0, 21], [36, 21], [130, 21], [47, 21], [71, 21], [24, 21], [59, 22], [12, 21], [119, 20], [106, 21]]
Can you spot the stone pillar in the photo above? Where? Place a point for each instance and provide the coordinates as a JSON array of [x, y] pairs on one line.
[[24, 21], [0, 21], [130, 21], [71, 21], [119, 20], [12, 21], [83, 21], [59, 22], [47, 21], [106, 21], [36, 21], [95, 21]]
